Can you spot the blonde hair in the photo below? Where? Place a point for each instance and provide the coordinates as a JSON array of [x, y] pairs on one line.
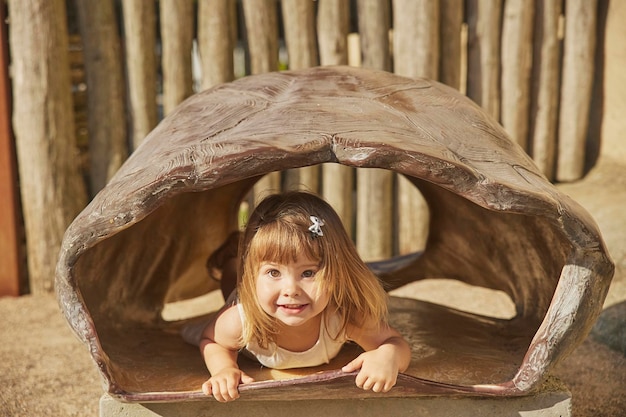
[[278, 231]]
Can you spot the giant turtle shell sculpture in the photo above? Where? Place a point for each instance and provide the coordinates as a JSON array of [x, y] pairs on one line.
[[495, 222]]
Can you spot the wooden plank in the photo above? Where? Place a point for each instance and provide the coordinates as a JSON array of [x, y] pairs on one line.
[[578, 69], [451, 24], [545, 89], [215, 42], [416, 54], [52, 189], [483, 61], [11, 228], [106, 116], [333, 26], [177, 23], [516, 55], [374, 208], [140, 40]]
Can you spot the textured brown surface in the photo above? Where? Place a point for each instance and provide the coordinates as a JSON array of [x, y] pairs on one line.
[[46, 371], [496, 222]]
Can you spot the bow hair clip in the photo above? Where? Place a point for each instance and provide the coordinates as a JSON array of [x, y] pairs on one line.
[[316, 227]]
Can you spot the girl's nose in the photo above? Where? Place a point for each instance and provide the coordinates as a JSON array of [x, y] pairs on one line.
[[290, 287]]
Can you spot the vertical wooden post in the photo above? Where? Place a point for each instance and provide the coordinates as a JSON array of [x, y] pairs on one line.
[[106, 114], [262, 29], [11, 256], [483, 58], [333, 26], [300, 34], [52, 188], [177, 24], [578, 68], [374, 217], [517, 43], [140, 40], [374, 25], [215, 42], [416, 38], [416, 54], [451, 18], [545, 89]]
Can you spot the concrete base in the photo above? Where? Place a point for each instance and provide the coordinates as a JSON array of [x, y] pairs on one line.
[[547, 403]]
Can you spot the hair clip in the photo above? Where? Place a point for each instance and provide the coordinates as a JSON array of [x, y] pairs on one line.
[[316, 227]]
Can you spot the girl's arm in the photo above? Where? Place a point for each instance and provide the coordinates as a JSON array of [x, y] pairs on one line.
[[219, 346], [386, 354]]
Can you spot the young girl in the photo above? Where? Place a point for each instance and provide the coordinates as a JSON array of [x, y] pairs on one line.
[[303, 291]]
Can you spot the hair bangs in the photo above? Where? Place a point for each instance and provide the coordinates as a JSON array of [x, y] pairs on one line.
[[283, 243]]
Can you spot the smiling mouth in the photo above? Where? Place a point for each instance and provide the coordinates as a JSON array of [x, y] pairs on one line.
[[293, 307]]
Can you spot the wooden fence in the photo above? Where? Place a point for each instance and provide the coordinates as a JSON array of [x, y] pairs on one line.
[[126, 64]]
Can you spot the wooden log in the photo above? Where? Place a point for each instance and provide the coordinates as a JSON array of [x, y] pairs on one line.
[[106, 116], [215, 42], [416, 38], [140, 40], [483, 60], [333, 26], [300, 37], [497, 223], [300, 34], [262, 34], [12, 267], [416, 54], [517, 46], [374, 25], [374, 216], [52, 188], [545, 88], [577, 80], [450, 28], [177, 24]]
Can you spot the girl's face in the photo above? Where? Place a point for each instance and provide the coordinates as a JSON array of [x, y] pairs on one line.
[[291, 293]]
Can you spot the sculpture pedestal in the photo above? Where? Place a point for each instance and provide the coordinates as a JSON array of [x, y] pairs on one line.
[[552, 400]]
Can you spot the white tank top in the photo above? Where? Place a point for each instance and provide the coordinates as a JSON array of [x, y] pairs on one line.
[[322, 352]]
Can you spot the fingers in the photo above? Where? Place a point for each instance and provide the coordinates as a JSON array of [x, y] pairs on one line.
[[221, 390], [373, 384], [225, 387]]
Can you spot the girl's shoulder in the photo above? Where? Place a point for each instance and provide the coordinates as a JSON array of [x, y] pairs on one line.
[[228, 326]]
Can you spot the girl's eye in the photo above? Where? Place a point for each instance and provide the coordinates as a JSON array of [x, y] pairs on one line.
[[308, 273], [274, 273]]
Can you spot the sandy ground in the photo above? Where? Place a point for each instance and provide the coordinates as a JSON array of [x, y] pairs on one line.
[[46, 371]]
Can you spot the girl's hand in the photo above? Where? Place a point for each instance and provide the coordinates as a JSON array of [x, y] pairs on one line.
[[378, 370], [223, 385]]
